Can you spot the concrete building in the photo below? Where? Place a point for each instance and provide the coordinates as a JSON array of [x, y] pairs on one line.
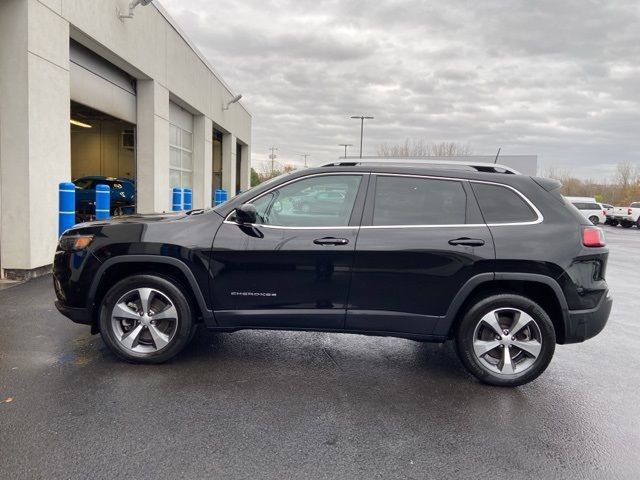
[[142, 101]]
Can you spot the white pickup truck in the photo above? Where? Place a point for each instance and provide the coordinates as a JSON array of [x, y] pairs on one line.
[[627, 216]]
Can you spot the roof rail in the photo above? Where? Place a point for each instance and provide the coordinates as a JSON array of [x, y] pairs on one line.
[[420, 161]]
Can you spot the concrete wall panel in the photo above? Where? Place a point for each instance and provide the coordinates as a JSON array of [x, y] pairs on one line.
[[49, 42], [49, 154]]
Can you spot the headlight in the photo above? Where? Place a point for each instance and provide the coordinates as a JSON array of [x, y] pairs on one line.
[[73, 243]]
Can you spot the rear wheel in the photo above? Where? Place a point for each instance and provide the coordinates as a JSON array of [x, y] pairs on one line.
[[626, 224], [146, 319], [506, 340], [613, 223], [593, 219]]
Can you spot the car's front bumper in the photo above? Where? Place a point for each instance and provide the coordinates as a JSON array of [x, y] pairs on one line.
[[585, 324]]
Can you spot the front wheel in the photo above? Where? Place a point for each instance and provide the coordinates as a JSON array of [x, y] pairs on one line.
[[146, 319], [506, 340]]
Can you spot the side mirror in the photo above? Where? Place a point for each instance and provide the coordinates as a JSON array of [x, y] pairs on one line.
[[246, 213]]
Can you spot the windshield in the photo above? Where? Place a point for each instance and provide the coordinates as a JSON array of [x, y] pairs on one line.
[[83, 184]]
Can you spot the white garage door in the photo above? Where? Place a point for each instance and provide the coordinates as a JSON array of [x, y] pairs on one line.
[[101, 85], [180, 147]]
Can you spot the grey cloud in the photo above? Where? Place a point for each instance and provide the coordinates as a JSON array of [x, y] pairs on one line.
[[558, 79]]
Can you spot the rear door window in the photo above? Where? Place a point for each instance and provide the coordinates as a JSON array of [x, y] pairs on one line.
[[418, 201], [500, 204]]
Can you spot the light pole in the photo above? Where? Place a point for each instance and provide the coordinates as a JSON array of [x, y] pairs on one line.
[[273, 157], [305, 155], [345, 145], [362, 118]]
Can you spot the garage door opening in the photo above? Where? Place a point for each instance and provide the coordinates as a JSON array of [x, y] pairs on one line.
[[103, 151]]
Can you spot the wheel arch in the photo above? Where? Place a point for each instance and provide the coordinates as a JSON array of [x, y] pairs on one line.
[[542, 289], [117, 268]]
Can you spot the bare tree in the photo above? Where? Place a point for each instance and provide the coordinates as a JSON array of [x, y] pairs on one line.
[[265, 172], [449, 149], [622, 190], [626, 174], [421, 148]]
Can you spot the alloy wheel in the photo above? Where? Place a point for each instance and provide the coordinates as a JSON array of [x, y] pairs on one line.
[[144, 320], [507, 341]]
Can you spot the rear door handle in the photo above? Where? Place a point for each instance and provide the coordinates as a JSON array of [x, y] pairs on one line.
[[331, 241], [467, 242]]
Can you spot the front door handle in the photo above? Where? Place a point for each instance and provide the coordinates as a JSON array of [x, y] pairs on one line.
[[331, 241], [467, 242]]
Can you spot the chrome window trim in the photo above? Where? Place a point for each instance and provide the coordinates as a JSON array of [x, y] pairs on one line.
[[451, 225], [323, 174], [540, 218], [279, 227]]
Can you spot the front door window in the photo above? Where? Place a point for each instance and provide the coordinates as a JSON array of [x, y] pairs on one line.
[[322, 201]]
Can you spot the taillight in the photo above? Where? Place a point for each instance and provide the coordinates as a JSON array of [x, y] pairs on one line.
[[604, 213], [629, 211], [593, 237]]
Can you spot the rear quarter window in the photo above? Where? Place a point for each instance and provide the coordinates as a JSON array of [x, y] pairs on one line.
[[500, 204]]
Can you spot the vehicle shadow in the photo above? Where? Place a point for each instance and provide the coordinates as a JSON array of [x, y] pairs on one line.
[[331, 354]]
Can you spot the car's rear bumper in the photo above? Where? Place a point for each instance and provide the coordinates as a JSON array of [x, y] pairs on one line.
[[78, 315], [585, 324]]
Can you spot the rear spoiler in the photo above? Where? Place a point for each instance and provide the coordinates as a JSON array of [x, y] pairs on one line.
[[549, 184]]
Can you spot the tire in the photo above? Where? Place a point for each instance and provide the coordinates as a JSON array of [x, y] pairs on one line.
[[626, 224], [613, 223], [593, 219], [475, 338], [638, 222], [160, 334]]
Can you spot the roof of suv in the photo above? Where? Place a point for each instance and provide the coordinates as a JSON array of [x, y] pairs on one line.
[[413, 169], [426, 162]]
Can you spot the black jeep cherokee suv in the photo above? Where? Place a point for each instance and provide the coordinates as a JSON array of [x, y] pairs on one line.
[[496, 261]]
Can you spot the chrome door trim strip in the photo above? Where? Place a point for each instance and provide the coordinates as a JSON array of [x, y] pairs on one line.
[[540, 217]]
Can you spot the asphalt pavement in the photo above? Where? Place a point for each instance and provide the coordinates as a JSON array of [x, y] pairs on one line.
[[283, 405]]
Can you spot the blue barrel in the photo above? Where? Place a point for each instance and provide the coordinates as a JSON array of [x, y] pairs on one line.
[[187, 199], [176, 199], [217, 197], [66, 206], [224, 195], [103, 202]]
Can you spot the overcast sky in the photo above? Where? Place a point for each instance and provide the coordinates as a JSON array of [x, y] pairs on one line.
[[556, 78]]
